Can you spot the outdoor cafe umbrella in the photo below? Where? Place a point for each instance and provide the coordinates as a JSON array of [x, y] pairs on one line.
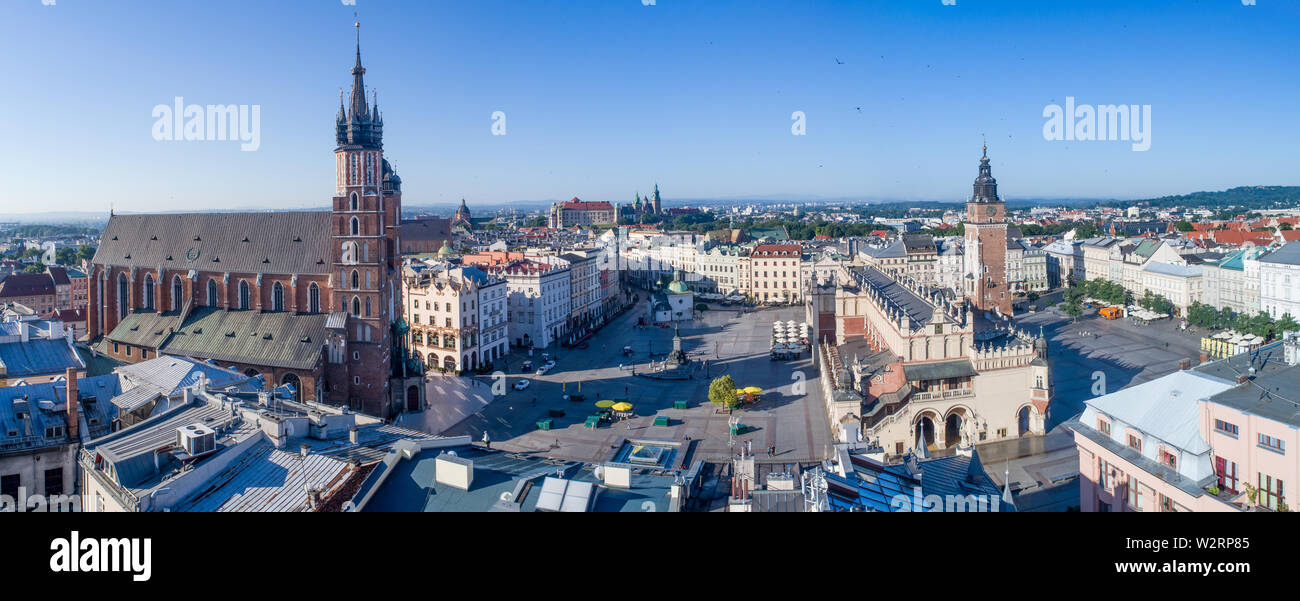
[[753, 390], [604, 404], [624, 406]]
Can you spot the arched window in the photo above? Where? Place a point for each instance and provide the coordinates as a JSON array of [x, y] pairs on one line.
[[356, 306], [123, 295], [313, 299], [212, 292], [367, 307], [178, 293], [352, 205], [243, 294], [148, 291], [356, 227], [277, 297], [356, 280]]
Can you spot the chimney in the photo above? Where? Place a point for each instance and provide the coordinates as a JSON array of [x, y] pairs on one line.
[[352, 435], [302, 451], [1205, 357], [24, 330], [73, 416], [1184, 364]]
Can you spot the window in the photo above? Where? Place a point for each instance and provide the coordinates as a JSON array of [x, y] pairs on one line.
[[99, 502], [1107, 479], [148, 292], [1227, 472], [277, 297], [1134, 493], [367, 307], [356, 306], [356, 380], [1223, 427], [1135, 442], [123, 295], [356, 280], [352, 204], [54, 431], [355, 228], [53, 482], [243, 294], [9, 485], [1272, 444], [1270, 491], [313, 299], [1169, 459], [178, 293], [1167, 504], [1002, 432], [212, 292], [1103, 426]]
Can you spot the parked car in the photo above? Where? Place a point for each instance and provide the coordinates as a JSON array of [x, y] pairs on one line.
[[522, 384], [541, 371]]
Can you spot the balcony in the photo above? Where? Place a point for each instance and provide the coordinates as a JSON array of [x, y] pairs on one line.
[[932, 395]]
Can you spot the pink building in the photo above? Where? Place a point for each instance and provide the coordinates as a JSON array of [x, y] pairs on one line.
[[1196, 439]]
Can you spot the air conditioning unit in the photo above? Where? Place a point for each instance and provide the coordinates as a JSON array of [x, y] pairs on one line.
[[196, 439]]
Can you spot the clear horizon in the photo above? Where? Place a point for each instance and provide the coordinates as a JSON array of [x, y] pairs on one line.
[[605, 98]]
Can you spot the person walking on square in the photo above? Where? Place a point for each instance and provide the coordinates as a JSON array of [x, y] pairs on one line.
[[487, 441]]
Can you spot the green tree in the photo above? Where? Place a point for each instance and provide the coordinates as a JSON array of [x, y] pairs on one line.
[[1183, 226], [1285, 323], [722, 392], [36, 267], [1073, 309]]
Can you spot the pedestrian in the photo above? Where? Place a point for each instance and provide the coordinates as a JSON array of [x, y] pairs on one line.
[[487, 441]]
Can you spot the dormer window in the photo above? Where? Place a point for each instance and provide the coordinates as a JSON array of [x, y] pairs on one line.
[[1103, 426]]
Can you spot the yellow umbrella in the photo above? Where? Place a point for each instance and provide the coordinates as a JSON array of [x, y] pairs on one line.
[[753, 390], [604, 404], [740, 391], [622, 406]]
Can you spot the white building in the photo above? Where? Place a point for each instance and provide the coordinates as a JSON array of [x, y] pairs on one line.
[[1181, 284], [1279, 281], [538, 301]]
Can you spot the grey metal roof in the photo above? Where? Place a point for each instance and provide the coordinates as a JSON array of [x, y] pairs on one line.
[[267, 479], [275, 339], [283, 242], [1289, 254], [1273, 392], [38, 357], [98, 414], [939, 370], [130, 452], [145, 328], [917, 309]]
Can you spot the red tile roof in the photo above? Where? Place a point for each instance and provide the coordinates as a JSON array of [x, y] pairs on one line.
[[26, 284], [584, 205]]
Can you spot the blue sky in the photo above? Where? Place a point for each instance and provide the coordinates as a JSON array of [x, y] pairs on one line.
[[605, 97]]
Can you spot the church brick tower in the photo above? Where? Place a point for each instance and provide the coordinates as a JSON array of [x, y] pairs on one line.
[[366, 214]]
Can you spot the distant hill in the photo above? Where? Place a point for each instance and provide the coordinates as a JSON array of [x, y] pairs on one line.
[[1242, 197]]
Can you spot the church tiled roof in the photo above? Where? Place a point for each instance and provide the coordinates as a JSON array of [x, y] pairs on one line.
[[287, 242]]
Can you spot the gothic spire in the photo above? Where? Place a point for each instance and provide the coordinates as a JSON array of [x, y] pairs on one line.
[[358, 84]]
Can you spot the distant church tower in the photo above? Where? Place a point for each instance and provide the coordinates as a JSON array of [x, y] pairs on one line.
[[986, 244], [366, 213]]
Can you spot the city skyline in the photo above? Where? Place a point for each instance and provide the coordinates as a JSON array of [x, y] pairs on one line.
[[580, 123]]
